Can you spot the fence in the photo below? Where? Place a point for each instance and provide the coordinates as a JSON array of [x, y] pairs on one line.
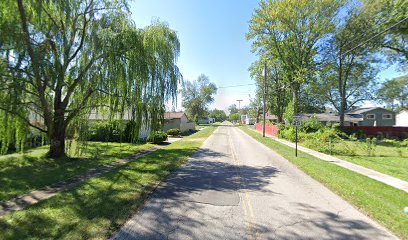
[[269, 129], [379, 132]]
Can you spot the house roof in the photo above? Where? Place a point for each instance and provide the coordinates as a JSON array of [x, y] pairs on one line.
[[328, 117], [364, 110], [173, 115]]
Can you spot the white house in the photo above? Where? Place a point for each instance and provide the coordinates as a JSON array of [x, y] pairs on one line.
[[247, 120], [402, 119]]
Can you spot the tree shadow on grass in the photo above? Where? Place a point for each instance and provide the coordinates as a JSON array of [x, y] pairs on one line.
[[99, 207], [103, 204], [20, 174]]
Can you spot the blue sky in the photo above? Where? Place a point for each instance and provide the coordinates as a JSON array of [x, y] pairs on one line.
[[212, 37]]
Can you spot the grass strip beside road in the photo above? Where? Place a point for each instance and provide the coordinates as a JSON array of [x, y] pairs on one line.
[[22, 173], [98, 208], [395, 166], [383, 203]]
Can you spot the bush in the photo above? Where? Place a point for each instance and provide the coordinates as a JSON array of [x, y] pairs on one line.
[[289, 134], [324, 140], [188, 132], [397, 144], [288, 113], [312, 125], [404, 143], [173, 132], [105, 131], [157, 137], [131, 132], [370, 145]]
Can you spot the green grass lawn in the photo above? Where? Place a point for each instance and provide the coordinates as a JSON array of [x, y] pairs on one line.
[[99, 207], [199, 127], [383, 203], [21, 173], [386, 158]]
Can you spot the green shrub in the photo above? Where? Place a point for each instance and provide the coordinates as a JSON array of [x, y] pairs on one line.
[[157, 137], [324, 140], [370, 145], [288, 113], [404, 143], [188, 132], [105, 131], [131, 132], [288, 133], [173, 132], [311, 125], [397, 144]]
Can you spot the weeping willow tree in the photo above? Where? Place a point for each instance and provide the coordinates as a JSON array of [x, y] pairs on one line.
[[63, 58]]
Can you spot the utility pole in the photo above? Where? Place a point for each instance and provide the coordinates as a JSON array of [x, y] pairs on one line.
[[264, 102], [239, 104]]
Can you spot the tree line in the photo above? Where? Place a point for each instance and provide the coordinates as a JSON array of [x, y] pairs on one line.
[[324, 52]]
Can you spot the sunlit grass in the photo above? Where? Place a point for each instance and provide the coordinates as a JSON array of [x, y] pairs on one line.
[[97, 209], [381, 202], [385, 158], [21, 173]]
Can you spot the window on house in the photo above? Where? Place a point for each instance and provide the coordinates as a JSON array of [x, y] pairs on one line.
[[387, 116], [370, 116]]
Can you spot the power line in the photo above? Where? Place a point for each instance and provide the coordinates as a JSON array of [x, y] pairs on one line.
[[238, 85], [376, 35], [361, 36]]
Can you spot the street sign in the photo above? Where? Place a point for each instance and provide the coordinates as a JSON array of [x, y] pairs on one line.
[[296, 123]]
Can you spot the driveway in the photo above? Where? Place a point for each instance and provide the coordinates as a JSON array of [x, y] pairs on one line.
[[236, 188]]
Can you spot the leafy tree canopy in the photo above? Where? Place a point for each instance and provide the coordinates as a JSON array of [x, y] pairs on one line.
[[233, 109], [219, 115], [384, 14], [394, 93], [289, 31], [197, 95], [235, 117]]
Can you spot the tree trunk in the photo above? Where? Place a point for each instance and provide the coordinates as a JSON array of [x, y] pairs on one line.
[[57, 136], [342, 110], [57, 145], [341, 88]]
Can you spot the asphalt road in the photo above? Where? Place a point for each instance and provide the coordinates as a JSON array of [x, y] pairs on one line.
[[236, 188]]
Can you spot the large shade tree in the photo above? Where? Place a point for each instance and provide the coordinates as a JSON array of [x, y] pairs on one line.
[[197, 95], [60, 59], [391, 15], [289, 31], [277, 92], [218, 115], [347, 74]]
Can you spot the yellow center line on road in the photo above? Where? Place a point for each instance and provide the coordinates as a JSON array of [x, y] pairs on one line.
[[247, 206]]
